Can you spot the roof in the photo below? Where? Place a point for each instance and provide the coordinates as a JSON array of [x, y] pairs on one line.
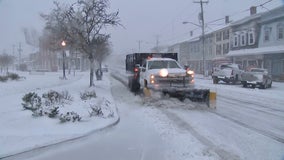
[[257, 51]]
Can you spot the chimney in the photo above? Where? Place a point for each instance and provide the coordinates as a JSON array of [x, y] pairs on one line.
[[227, 20], [252, 10]]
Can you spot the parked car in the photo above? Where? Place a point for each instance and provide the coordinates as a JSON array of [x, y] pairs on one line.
[[227, 73], [256, 77]]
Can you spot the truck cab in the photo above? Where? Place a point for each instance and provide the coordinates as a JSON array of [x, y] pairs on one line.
[[165, 74]]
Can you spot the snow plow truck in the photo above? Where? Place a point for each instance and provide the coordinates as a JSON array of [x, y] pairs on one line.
[[162, 72]]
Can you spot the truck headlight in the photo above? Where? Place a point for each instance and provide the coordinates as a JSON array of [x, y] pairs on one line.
[[164, 73], [190, 72], [152, 79]]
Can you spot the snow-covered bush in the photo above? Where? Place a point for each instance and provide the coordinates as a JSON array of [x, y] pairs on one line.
[[53, 98], [31, 101], [69, 116], [102, 109], [52, 112], [95, 111], [3, 78], [13, 76], [88, 95], [38, 112], [66, 96]]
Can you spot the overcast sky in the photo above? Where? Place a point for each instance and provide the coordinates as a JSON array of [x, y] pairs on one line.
[[147, 21]]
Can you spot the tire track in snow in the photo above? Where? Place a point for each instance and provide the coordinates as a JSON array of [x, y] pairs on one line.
[[223, 154], [237, 102], [262, 132], [251, 103]]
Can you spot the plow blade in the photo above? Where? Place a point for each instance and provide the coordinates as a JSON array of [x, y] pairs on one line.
[[195, 95]]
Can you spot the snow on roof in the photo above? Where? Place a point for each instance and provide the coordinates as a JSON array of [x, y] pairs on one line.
[[257, 51]]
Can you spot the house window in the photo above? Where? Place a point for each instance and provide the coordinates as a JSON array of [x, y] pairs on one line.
[[280, 31], [251, 37], [219, 36], [243, 39], [218, 49], [225, 48], [267, 31], [236, 40], [226, 35]]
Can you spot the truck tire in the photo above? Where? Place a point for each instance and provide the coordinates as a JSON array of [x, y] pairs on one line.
[[236, 79], [244, 84], [215, 80], [270, 85], [135, 86]]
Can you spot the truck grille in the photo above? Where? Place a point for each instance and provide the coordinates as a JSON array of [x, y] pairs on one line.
[[181, 81]]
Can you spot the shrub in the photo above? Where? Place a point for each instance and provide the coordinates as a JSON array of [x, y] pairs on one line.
[[38, 112], [31, 101], [53, 112], [13, 76], [96, 111], [52, 97], [3, 78], [66, 96], [69, 116], [88, 95]]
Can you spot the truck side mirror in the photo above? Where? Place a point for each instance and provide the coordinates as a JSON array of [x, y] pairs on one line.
[[143, 69]]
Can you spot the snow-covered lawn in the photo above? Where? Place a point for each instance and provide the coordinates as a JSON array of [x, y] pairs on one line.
[[20, 131]]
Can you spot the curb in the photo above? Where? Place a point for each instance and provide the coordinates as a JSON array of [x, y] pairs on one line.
[[64, 141]]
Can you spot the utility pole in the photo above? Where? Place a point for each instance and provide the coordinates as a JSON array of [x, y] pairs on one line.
[[139, 45], [20, 50], [157, 43], [201, 16]]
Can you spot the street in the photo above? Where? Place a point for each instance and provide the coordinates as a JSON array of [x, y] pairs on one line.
[[243, 126]]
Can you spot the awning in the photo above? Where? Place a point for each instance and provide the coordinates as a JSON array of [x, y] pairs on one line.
[[257, 51]]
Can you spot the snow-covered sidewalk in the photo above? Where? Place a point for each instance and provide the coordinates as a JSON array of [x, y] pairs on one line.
[[21, 132]]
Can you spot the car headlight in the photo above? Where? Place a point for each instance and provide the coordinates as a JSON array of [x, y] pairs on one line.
[[164, 73]]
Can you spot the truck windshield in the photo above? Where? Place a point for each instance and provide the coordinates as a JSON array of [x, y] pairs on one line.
[[162, 64]]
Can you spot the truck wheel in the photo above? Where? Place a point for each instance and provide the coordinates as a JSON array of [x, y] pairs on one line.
[[244, 84], [135, 86], [270, 85], [236, 79], [215, 80]]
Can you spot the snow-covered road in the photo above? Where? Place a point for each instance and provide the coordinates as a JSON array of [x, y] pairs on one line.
[[247, 124]]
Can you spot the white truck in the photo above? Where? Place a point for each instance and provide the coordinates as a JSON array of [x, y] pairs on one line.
[[228, 73], [165, 74], [162, 72], [256, 77]]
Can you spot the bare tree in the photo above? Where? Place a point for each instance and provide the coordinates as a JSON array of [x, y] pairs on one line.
[[103, 49], [31, 37], [82, 25], [5, 61]]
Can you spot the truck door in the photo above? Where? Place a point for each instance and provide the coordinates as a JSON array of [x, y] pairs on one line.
[[143, 69]]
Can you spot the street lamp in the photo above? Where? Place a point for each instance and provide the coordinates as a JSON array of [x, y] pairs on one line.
[[63, 44], [203, 41]]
